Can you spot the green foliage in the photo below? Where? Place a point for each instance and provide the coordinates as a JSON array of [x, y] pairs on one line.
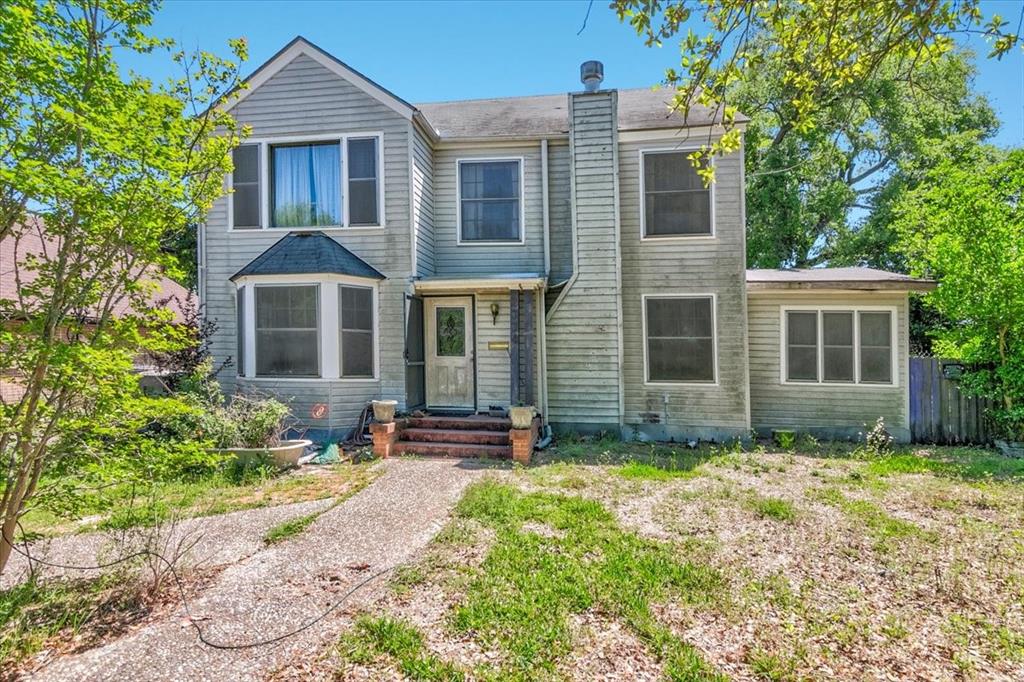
[[878, 439], [113, 167], [773, 508], [965, 227], [820, 50], [290, 528], [398, 639], [530, 583], [651, 472]]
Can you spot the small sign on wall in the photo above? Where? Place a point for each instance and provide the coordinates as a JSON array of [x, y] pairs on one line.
[[497, 345], [318, 411]]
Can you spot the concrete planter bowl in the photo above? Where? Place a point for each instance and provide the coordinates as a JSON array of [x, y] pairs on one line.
[[1011, 448], [283, 456], [384, 410], [522, 416]]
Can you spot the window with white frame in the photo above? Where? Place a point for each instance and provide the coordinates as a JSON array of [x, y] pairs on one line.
[[334, 182], [680, 339], [490, 200], [842, 346], [355, 315], [287, 330], [675, 201]]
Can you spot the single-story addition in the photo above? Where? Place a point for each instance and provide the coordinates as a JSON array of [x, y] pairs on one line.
[[557, 251]]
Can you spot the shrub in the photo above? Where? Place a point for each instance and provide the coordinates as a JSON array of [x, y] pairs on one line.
[[1008, 423], [878, 438]]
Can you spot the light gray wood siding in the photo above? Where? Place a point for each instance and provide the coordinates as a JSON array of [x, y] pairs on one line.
[[687, 267], [582, 331], [560, 212], [838, 409], [423, 202], [494, 367], [304, 98], [451, 258]]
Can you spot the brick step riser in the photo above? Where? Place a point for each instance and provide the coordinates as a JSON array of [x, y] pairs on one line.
[[453, 450], [457, 424], [456, 436]]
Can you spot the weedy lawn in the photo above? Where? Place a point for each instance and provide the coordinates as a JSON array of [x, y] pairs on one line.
[[613, 561]]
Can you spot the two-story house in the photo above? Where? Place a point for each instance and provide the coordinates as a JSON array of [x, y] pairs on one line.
[[557, 250]]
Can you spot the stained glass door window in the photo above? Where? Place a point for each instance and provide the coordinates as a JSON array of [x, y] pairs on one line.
[[451, 332]]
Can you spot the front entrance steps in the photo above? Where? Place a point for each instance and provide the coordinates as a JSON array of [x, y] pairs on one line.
[[472, 436]]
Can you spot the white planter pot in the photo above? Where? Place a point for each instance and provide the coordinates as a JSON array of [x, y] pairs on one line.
[[522, 417], [284, 455], [384, 410]]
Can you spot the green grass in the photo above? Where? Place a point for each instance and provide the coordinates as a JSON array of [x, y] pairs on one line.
[[883, 527], [372, 638], [773, 508], [289, 529], [32, 614], [523, 594], [968, 464], [650, 472]]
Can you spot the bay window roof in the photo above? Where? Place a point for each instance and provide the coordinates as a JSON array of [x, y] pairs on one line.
[[308, 253]]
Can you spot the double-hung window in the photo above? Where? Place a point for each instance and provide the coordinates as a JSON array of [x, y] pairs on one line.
[[838, 346], [334, 182], [675, 201], [490, 201], [356, 320], [288, 330], [680, 339]]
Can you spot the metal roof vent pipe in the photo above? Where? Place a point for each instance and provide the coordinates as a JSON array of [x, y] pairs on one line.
[[591, 74]]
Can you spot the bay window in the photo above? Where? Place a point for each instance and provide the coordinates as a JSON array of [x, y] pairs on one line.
[[287, 330]]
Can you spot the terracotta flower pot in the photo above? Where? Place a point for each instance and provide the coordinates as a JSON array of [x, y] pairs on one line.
[[384, 410], [522, 416]]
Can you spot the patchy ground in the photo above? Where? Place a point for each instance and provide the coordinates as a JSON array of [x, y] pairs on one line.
[[615, 562]]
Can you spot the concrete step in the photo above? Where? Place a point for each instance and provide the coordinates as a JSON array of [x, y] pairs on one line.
[[478, 437], [473, 423], [404, 447]]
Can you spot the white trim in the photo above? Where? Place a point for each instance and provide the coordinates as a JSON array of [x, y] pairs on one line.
[[329, 338], [744, 301], [427, 286], [680, 133], [522, 201], [414, 223], [342, 138], [855, 310], [682, 149], [620, 336], [545, 202], [714, 338], [301, 46]]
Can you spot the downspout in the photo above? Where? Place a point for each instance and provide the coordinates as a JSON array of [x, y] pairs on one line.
[[544, 205], [572, 215], [618, 261], [201, 267]]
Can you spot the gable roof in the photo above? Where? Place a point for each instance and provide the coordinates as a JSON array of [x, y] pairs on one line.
[[543, 115], [301, 46], [868, 279], [308, 253]]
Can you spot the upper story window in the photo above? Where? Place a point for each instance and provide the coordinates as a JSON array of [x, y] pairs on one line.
[[680, 339], [490, 201], [334, 182], [675, 201], [839, 346]]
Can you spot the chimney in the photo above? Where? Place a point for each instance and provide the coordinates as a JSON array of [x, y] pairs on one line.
[[591, 75]]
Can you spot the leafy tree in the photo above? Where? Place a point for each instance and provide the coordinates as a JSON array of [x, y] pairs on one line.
[[964, 225], [114, 166], [824, 195], [820, 50]]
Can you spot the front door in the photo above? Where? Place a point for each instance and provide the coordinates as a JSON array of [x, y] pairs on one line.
[[449, 356]]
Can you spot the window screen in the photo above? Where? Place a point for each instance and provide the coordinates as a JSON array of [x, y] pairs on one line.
[[675, 199], [680, 340], [287, 331], [876, 347], [362, 181], [245, 182], [306, 189], [240, 329], [356, 317], [489, 196], [802, 346], [837, 346]]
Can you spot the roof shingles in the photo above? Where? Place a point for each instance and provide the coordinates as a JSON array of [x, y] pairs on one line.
[[308, 253]]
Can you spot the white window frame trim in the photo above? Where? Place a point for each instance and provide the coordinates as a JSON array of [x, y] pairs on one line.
[[458, 202], [265, 143], [329, 340], [684, 149], [894, 321], [714, 338]]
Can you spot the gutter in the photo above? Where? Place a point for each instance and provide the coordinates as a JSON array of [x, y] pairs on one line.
[[572, 214], [545, 206]]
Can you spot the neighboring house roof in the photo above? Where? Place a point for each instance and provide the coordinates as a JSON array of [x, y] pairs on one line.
[[32, 241], [868, 279], [543, 115], [308, 253]]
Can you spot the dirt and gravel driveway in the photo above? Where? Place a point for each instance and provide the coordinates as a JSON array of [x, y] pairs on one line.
[[280, 588]]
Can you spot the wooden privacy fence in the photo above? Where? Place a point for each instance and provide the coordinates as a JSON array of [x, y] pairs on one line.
[[939, 412]]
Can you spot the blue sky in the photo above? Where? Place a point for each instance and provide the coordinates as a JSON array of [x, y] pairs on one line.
[[429, 51]]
